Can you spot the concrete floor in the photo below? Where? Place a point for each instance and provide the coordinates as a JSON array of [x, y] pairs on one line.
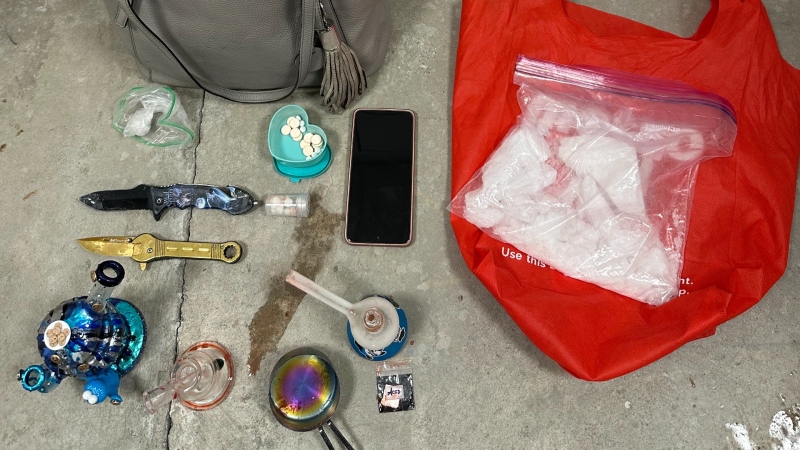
[[480, 382]]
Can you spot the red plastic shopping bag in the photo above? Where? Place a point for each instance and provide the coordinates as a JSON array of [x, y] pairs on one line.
[[737, 244]]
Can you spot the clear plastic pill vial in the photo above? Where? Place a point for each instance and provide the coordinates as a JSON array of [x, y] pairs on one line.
[[288, 205]]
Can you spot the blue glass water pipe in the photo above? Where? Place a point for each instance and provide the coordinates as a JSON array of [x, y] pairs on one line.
[[94, 338]]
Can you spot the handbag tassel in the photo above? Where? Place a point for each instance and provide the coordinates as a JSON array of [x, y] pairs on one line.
[[343, 80]]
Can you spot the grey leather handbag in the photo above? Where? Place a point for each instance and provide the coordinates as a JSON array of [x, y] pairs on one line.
[[257, 51]]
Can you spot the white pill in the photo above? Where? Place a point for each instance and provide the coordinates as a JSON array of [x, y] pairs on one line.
[[298, 118], [307, 137], [308, 151], [296, 134], [293, 122], [285, 130], [308, 158], [274, 199], [288, 201], [316, 139], [302, 129], [302, 124]]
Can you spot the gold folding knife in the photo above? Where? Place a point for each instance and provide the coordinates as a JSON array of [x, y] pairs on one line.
[[146, 247]]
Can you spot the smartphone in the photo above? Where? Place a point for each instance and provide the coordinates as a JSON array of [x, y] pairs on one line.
[[380, 186]]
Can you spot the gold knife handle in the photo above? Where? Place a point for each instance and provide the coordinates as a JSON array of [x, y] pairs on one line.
[[228, 252], [150, 248]]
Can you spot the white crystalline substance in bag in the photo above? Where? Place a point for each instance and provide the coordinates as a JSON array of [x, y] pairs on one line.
[[515, 174], [592, 227], [140, 122], [607, 163]]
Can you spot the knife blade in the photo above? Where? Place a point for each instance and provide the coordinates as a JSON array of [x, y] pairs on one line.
[[231, 199], [146, 248]]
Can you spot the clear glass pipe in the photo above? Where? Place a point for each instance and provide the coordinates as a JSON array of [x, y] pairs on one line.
[[200, 379], [374, 321]]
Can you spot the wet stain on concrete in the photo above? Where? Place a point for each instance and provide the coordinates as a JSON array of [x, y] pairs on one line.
[[315, 237], [29, 195]]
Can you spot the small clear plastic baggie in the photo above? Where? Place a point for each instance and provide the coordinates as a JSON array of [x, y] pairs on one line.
[[596, 177], [395, 386], [153, 115]]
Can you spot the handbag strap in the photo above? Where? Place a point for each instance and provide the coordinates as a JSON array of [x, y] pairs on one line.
[[245, 96]]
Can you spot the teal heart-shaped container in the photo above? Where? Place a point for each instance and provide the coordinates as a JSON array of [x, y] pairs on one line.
[[286, 150]]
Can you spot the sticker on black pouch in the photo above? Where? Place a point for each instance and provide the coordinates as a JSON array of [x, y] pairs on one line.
[[395, 386]]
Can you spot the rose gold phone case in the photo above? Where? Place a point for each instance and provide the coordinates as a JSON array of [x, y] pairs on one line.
[[413, 176]]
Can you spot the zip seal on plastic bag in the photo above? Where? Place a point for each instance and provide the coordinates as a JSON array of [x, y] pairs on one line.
[[596, 178], [618, 82], [153, 116]]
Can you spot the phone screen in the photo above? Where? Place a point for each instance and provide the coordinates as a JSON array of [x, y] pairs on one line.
[[380, 193]]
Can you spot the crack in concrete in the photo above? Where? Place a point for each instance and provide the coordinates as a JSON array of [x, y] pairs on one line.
[[183, 274]]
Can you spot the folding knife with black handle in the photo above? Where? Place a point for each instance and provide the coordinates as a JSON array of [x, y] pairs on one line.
[[157, 199]]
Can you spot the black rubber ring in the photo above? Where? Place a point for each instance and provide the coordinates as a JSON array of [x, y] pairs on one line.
[[106, 280]]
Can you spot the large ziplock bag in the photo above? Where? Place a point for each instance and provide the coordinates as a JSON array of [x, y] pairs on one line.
[[596, 177], [738, 237]]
